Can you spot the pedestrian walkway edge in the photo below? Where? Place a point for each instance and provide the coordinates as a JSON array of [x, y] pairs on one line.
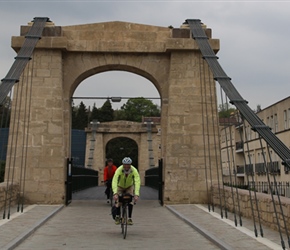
[[222, 245], [14, 243]]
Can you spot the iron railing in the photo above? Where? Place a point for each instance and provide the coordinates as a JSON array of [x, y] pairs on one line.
[[83, 178], [283, 188], [152, 178]]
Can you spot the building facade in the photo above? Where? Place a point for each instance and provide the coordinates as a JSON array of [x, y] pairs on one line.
[[246, 158]]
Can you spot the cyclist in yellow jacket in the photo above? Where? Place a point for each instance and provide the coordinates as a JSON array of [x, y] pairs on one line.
[[126, 180]]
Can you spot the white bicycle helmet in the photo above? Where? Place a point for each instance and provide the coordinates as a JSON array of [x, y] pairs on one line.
[[127, 160]]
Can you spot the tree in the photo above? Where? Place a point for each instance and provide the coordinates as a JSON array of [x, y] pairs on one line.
[[81, 117], [119, 114], [106, 112], [95, 114], [74, 116], [135, 108], [225, 110]]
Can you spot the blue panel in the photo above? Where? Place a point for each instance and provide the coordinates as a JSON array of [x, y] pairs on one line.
[[78, 147], [4, 132]]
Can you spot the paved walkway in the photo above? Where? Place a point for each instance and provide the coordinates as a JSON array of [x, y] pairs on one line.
[[87, 224]]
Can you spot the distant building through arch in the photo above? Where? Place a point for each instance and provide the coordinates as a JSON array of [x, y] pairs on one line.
[[136, 131]]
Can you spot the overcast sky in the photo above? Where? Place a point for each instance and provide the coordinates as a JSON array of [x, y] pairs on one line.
[[254, 38]]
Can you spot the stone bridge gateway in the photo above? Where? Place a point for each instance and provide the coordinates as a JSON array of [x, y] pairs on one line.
[[107, 131], [66, 55]]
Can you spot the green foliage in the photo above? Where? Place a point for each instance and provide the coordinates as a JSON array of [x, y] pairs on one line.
[[74, 116], [81, 117], [106, 112], [119, 114], [135, 108], [225, 111], [95, 114]]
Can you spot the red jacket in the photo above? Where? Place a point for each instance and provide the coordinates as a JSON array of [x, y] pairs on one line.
[[109, 173]]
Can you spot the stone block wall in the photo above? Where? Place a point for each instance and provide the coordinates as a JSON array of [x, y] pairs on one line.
[[265, 206]]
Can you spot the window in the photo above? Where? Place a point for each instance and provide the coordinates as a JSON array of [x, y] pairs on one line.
[[285, 119]]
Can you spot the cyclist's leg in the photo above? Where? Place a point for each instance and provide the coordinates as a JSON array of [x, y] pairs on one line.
[[118, 206], [130, 190], [120, 191], [107, 192]]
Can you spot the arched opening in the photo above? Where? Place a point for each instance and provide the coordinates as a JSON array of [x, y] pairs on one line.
[[93, 92], [121, 147], [97, 88]]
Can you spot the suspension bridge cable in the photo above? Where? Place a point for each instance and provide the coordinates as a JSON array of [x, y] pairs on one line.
[[229, 163], [12, 133], [247, 177], [27, 134], [256, 123], [22, 58], [278, 196], [21, 179], [271, 191], [217, 152], [234, 163], [17, 109], [6, 107], [4, 116], [203, 100], [208, 131]]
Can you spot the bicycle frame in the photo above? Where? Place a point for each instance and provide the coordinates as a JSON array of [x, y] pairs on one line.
[[125, 200]]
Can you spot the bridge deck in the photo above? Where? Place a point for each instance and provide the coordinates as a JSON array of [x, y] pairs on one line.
[[87, 224]]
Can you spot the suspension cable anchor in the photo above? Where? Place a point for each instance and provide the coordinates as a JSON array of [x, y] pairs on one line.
[[238, 100], [256, 127], [23, 57], [10, 80], [210, 56], [222, 78]]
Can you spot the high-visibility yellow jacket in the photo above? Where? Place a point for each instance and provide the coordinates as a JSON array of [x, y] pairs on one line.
[[120, 180]]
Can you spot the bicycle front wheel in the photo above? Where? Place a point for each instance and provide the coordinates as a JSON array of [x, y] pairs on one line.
[[122, 222], [125, 220]]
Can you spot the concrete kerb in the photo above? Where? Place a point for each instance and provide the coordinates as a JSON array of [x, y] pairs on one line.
[[222, 245], [14, 243]]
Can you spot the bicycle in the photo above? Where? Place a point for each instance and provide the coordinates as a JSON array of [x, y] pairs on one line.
[[125, 200]]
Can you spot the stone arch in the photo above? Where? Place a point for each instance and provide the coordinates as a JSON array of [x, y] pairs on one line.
[[135, 131], [115, 67]]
